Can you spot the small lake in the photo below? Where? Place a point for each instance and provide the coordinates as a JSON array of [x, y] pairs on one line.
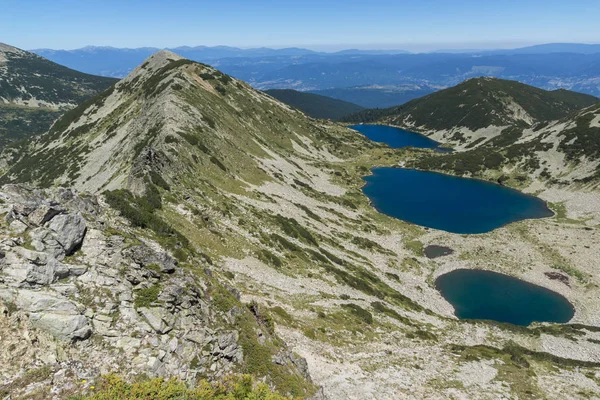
[[449, 203], [477, 294], [396, 137]]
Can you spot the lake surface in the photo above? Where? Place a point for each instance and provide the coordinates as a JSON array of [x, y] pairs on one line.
[[449, 203], [396, 137], [477, 294], [435, 251]]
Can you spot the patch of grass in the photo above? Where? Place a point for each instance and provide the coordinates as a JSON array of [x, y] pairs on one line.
[[292, 228], [415, 246], [571, 271], [282, 313], [368, 244], [223, 300], [390, 312], [140, 212], [113, 387], [360, 312], [146, 297], [159, 181], [258, 360], [308, 212], [269, 258], [422, 334], [153, 267]]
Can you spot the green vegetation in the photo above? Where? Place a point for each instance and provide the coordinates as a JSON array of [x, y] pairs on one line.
[[382, 308], [17, 122], [491, 156], [146, 297], [519, 355], [368, 244], [478, 103], [140, 212], [269, 258], [582, 140], [258, 354], [223, 299], [360, 312], [112, 387], [292, 228], [47, 81], [315, 105], [159, 181]]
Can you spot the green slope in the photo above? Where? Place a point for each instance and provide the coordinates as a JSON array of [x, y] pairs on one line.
[[478, 103], [35, 91], [533, 153], [315, 105]]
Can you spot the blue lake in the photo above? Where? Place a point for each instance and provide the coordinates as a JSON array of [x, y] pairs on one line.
[[449, 203], [477, 294], [396, 137]]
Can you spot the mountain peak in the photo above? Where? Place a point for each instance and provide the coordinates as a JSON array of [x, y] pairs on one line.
[[4, 48], [170, 116], [160, 59]]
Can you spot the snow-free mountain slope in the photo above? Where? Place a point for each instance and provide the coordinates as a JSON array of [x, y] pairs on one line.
[[34, 92]]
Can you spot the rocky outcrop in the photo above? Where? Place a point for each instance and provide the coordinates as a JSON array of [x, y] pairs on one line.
[[107, 300]]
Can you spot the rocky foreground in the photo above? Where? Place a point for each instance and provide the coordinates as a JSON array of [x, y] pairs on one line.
[[83, 299]]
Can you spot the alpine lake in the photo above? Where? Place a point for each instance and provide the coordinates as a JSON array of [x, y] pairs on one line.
[[463, 206]]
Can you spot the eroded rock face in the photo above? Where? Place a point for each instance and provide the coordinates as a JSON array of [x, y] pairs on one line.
[[108, 300]]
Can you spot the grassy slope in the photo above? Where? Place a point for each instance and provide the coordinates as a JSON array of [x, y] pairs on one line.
[[19, 122], [479, 103], [577, 138], [315, 105], [25, 77]]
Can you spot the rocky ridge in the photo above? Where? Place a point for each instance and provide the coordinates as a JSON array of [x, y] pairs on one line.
[[88, 299]]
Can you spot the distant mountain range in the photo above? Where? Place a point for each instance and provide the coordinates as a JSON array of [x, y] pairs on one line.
[[369, 78]]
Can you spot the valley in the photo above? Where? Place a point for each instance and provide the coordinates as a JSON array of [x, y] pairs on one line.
[[210, 229]]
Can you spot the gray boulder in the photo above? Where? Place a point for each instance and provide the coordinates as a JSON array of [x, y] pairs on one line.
[[64, 327], [145, 256], [50, 312], [44, 213], [28, 267], [69, 230]]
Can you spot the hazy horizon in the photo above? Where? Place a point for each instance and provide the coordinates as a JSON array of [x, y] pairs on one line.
[[331, 48]]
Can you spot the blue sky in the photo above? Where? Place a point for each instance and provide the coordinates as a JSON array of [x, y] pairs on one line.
[[416, 25]]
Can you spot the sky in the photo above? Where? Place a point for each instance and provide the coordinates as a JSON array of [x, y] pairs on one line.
[[327, 25]]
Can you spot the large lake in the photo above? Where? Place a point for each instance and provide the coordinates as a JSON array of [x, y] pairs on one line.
[[396, 137], [477, 294], [449, 203]]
